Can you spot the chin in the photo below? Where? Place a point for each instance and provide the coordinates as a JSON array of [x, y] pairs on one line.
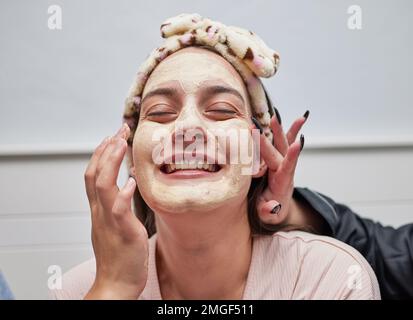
[[189, 199]]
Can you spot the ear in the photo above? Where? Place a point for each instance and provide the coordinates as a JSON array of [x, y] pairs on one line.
[[262, 170]]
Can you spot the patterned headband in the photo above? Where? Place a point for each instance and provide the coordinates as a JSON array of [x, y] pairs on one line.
[[247, 53]]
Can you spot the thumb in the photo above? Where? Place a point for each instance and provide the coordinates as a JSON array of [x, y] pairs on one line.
[[270, 212]]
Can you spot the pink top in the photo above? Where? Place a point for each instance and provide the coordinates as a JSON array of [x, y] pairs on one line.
[[286, 265]]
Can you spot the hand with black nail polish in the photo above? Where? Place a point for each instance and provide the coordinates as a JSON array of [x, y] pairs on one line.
[[276, 204]]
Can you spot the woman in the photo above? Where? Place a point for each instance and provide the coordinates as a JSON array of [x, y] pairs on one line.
[[203, 220]]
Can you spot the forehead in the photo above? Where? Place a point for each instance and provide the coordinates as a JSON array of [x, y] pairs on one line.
[[192, 67]]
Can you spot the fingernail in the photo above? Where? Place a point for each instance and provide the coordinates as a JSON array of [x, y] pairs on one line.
[[121, 129], [302, 142], [126, 131], [306, 114], [257, 124], [276, 209], [125, 127], [106, 140], [278, 115]]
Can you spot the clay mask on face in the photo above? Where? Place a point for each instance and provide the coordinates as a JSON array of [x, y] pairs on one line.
[[198, 66], [191, 68]]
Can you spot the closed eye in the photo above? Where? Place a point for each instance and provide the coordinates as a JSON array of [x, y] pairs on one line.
[[221, 111], [161, 113]]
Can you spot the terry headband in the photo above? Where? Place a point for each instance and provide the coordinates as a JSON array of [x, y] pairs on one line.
[[247, 53]]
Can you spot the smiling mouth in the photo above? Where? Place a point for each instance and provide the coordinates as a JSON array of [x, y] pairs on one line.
[[198, 166]]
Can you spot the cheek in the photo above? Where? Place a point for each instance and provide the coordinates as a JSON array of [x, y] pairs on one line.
[[238, 180], [237, 137], [231, 125], [143, 145]]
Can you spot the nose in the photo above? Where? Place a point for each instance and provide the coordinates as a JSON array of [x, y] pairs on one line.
[[189, 126], [189, 135], [190, 130]]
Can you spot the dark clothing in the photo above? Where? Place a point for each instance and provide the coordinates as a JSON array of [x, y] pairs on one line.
[[388, 250], [5, 292]]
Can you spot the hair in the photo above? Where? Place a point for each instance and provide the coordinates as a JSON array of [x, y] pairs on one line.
[[146, 215]]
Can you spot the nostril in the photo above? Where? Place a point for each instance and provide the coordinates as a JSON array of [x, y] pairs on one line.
[[198, 136], [179, 136]]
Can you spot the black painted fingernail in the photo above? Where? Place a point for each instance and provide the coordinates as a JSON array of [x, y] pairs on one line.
[[277, 115], [257, 124], [302, 141], [276, 209], [306, 114]]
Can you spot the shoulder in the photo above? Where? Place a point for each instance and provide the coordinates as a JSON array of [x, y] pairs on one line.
[[313, 245], [330, 267], [75, 284]]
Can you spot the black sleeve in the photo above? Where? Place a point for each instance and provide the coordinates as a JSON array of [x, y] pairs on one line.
[[388, 250]]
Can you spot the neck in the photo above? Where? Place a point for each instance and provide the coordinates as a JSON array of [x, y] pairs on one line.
[[204, 255]]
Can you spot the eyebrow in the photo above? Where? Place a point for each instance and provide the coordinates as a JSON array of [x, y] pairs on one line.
[[217, 89], [169, 92]]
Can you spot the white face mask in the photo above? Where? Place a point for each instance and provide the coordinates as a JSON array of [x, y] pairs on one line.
[[188, 71]]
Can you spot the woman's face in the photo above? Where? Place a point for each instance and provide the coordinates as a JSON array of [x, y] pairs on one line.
[[193, 92]]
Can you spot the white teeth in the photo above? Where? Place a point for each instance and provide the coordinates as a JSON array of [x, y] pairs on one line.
[[189, 165]]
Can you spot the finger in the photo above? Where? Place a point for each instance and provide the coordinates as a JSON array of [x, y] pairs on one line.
[[122, 210], [290, 161], [271, 212], [280, 140], [90, 171], [124, 132], [296, 127], [107, 172], [283, 179], [271, 156]]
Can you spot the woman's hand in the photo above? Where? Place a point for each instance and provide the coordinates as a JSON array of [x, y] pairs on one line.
[[276, 205], [119, 239]]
